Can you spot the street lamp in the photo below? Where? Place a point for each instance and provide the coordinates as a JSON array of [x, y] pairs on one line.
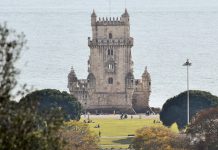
[[85, 108], [187, 64]]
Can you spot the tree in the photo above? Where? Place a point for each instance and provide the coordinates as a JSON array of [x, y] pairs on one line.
[[11, 45], [47, 99], [175, 109], [22, 128], [156, 138], [204, 129], [79, 137]]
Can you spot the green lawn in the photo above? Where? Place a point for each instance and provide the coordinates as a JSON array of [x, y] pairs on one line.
[[114, 132]]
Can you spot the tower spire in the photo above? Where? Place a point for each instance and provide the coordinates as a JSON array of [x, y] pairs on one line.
[[125, 14], [145, 73], [93, 13], [72, 75], [93, 18]]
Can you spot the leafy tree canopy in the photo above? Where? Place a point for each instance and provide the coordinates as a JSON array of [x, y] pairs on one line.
[[175, 109], [22, 128], [79, 137], [158, 138], [48, 99], [11, 45], [204, 129]]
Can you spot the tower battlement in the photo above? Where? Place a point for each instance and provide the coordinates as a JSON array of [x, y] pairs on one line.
[[110, 21], [111, 42]]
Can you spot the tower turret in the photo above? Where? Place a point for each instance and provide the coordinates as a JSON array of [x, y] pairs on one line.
[[93, 18], [125, 17], [93, 24], [72, 79], [146, 80]]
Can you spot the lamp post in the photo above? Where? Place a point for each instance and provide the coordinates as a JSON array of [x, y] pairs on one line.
[[187, 64], [85, 108]]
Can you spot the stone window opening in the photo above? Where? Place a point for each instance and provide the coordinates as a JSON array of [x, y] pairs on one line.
[[110, 36], [89, 65], [110, 52], [110, 80], [110, 66]]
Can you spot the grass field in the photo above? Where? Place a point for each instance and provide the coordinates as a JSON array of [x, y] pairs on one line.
[[116, 133]]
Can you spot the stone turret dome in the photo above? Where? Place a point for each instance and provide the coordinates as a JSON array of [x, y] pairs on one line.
[[72, 76], [146, 74], [125, 14]]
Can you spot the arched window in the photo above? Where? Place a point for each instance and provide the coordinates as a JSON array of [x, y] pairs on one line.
[[110, 80], [110, 66], [110, 52], [110, 36]]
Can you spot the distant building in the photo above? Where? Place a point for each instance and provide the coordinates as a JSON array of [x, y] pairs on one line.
[[110, 85]]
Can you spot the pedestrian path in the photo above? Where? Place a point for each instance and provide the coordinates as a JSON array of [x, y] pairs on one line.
[[114, 137]]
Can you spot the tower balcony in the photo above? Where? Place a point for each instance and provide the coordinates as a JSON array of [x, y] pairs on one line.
[[110, 42]]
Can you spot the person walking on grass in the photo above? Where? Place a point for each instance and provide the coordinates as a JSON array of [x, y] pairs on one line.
[[99, 133]]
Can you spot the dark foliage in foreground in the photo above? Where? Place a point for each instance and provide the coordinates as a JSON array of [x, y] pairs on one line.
[[11, 45], [175, 109], [22, 128]]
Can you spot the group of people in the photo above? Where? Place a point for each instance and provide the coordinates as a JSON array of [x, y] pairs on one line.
[[97, 126], [123, 116], [156, 121], [99, 132], [88, 121]]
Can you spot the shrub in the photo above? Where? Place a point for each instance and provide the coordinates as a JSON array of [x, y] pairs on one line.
[[175, 109], [156, 138]]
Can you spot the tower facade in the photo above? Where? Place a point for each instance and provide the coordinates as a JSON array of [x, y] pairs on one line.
[[110, 84]]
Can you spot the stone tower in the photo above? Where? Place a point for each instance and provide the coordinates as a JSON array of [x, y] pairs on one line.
[[110, 84]]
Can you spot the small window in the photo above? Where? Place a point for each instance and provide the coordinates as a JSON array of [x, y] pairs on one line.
[[110, 80], [110, 35], [108, 52], [110, 66]]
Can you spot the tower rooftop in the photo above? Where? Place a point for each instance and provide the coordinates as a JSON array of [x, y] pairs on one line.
[[125, 14], [93, 14]]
